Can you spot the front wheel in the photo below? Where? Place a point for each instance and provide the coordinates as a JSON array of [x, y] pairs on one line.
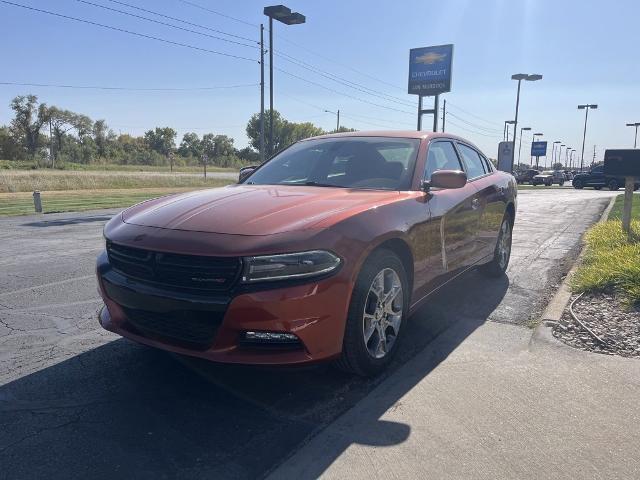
[[378, 308], [577, 184], [502, 253], [613, 185]]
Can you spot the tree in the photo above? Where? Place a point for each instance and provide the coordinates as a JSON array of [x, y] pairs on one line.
[[161, 140], [101, 137], [343, 129], [284, 132], [60, 122], [29, 118], [248, 156], [557, 166], [190, 145]]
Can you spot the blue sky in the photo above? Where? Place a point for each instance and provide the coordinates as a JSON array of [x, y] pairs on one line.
[[586, 50]]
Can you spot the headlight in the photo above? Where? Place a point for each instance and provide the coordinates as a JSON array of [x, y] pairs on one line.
[[288, 265]]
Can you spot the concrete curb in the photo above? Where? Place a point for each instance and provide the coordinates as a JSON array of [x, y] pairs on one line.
[[558, 304]]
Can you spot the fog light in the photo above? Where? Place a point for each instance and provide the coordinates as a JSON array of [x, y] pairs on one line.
[[270, 337]]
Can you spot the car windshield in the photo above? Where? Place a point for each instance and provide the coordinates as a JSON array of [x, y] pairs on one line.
[[351, 162]]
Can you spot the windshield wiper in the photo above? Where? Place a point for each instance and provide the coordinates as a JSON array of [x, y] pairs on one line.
[[311, 183]]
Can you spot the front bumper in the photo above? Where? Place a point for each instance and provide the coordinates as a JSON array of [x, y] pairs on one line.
[[314, 311]]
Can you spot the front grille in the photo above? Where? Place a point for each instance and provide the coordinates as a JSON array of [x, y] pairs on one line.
[[190, 328], [185, 272]]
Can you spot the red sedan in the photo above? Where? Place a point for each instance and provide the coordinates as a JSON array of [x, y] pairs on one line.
[[321, 253]]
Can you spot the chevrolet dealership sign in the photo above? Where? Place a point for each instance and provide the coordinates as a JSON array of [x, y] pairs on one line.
[[430, 70]]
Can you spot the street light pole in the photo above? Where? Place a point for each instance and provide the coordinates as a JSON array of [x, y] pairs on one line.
[[261, 93], [337, 114], [553, 153], [559, 154], [286, 16], [519, 77], [534, 139], [586, 108], [635, 140], [520, 147]]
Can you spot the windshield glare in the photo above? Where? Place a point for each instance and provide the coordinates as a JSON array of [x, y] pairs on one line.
[[355, 162]]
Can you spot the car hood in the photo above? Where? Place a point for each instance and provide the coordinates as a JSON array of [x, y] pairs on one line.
[[256, 209]]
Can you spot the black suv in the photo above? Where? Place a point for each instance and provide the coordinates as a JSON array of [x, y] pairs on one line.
[[595, 178], [526, 176]]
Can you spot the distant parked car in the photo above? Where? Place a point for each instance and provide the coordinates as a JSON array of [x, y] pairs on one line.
[[526, 176], [568, 175], [596, 178], [548, 178]]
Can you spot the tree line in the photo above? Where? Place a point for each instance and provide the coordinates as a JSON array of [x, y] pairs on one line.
[[50, 136]]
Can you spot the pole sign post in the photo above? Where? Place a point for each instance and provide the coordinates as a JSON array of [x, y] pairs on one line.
[[429, 76], [538, 149], [505, 156], [624, 163]]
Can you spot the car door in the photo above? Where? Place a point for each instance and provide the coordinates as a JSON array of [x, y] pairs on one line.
[[596, 176], [453, 211], [487, 205]]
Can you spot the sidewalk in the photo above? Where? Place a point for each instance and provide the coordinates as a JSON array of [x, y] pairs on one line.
[[497, 406]]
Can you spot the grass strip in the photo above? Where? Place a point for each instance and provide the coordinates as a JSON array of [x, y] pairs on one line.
[[612, 261]]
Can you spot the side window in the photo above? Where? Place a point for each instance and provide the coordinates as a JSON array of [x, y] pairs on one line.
[[487, 164], [441, 156], [475, 167], [598, 169]]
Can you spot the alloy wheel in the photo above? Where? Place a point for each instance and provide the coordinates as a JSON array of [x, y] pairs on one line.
[[382, 314], [504, 245]]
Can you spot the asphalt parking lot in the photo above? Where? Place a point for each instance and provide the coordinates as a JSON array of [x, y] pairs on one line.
[[78, 402]]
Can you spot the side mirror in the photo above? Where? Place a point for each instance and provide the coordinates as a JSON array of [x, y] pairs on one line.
[[445, 179], [245, 172]]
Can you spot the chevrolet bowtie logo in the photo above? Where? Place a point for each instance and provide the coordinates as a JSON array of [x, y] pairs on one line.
[[430, 58]]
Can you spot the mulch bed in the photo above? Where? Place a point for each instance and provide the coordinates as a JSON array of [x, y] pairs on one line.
[[605, 314]]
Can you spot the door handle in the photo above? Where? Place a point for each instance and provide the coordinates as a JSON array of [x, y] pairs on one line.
[[475, 203]]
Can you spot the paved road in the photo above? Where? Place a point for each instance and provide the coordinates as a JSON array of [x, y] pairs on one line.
[[78, 402]]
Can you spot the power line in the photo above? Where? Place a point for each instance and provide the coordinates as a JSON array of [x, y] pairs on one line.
[[219, 13], [475, 125], [86, 2], [135, 89], [359, 72], [181, 20], [343, 81], [150, 37], [341, 93], [469, 130], [472, 114]]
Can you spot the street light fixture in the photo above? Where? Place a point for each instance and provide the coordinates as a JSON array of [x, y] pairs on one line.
[[586, 108], [506, 128], [286, 16], [520, 147], [337, 114], [519, 77], [553, 153], [635, 141]]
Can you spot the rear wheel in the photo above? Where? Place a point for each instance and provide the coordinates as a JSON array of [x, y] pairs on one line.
[[378, 308], [502, 253], [599, 187], [613, 185]]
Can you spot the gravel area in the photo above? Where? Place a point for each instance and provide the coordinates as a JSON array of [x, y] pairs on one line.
[[605, 314]]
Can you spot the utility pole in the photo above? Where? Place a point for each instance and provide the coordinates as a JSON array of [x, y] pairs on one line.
[[444, 114], [261, 93], [270, 86], [594, 156], [338, 121]]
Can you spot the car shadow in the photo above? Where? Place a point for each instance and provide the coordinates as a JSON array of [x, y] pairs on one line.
[[128, 410], [61, 222]]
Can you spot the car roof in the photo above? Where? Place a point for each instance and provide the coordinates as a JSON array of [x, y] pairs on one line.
[[391, 134]]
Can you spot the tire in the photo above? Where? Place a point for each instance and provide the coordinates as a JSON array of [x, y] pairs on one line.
[[561, 183], [367, 355], [599, 187], [613, 185], [548, 184], [578, 185], [502, 253]]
